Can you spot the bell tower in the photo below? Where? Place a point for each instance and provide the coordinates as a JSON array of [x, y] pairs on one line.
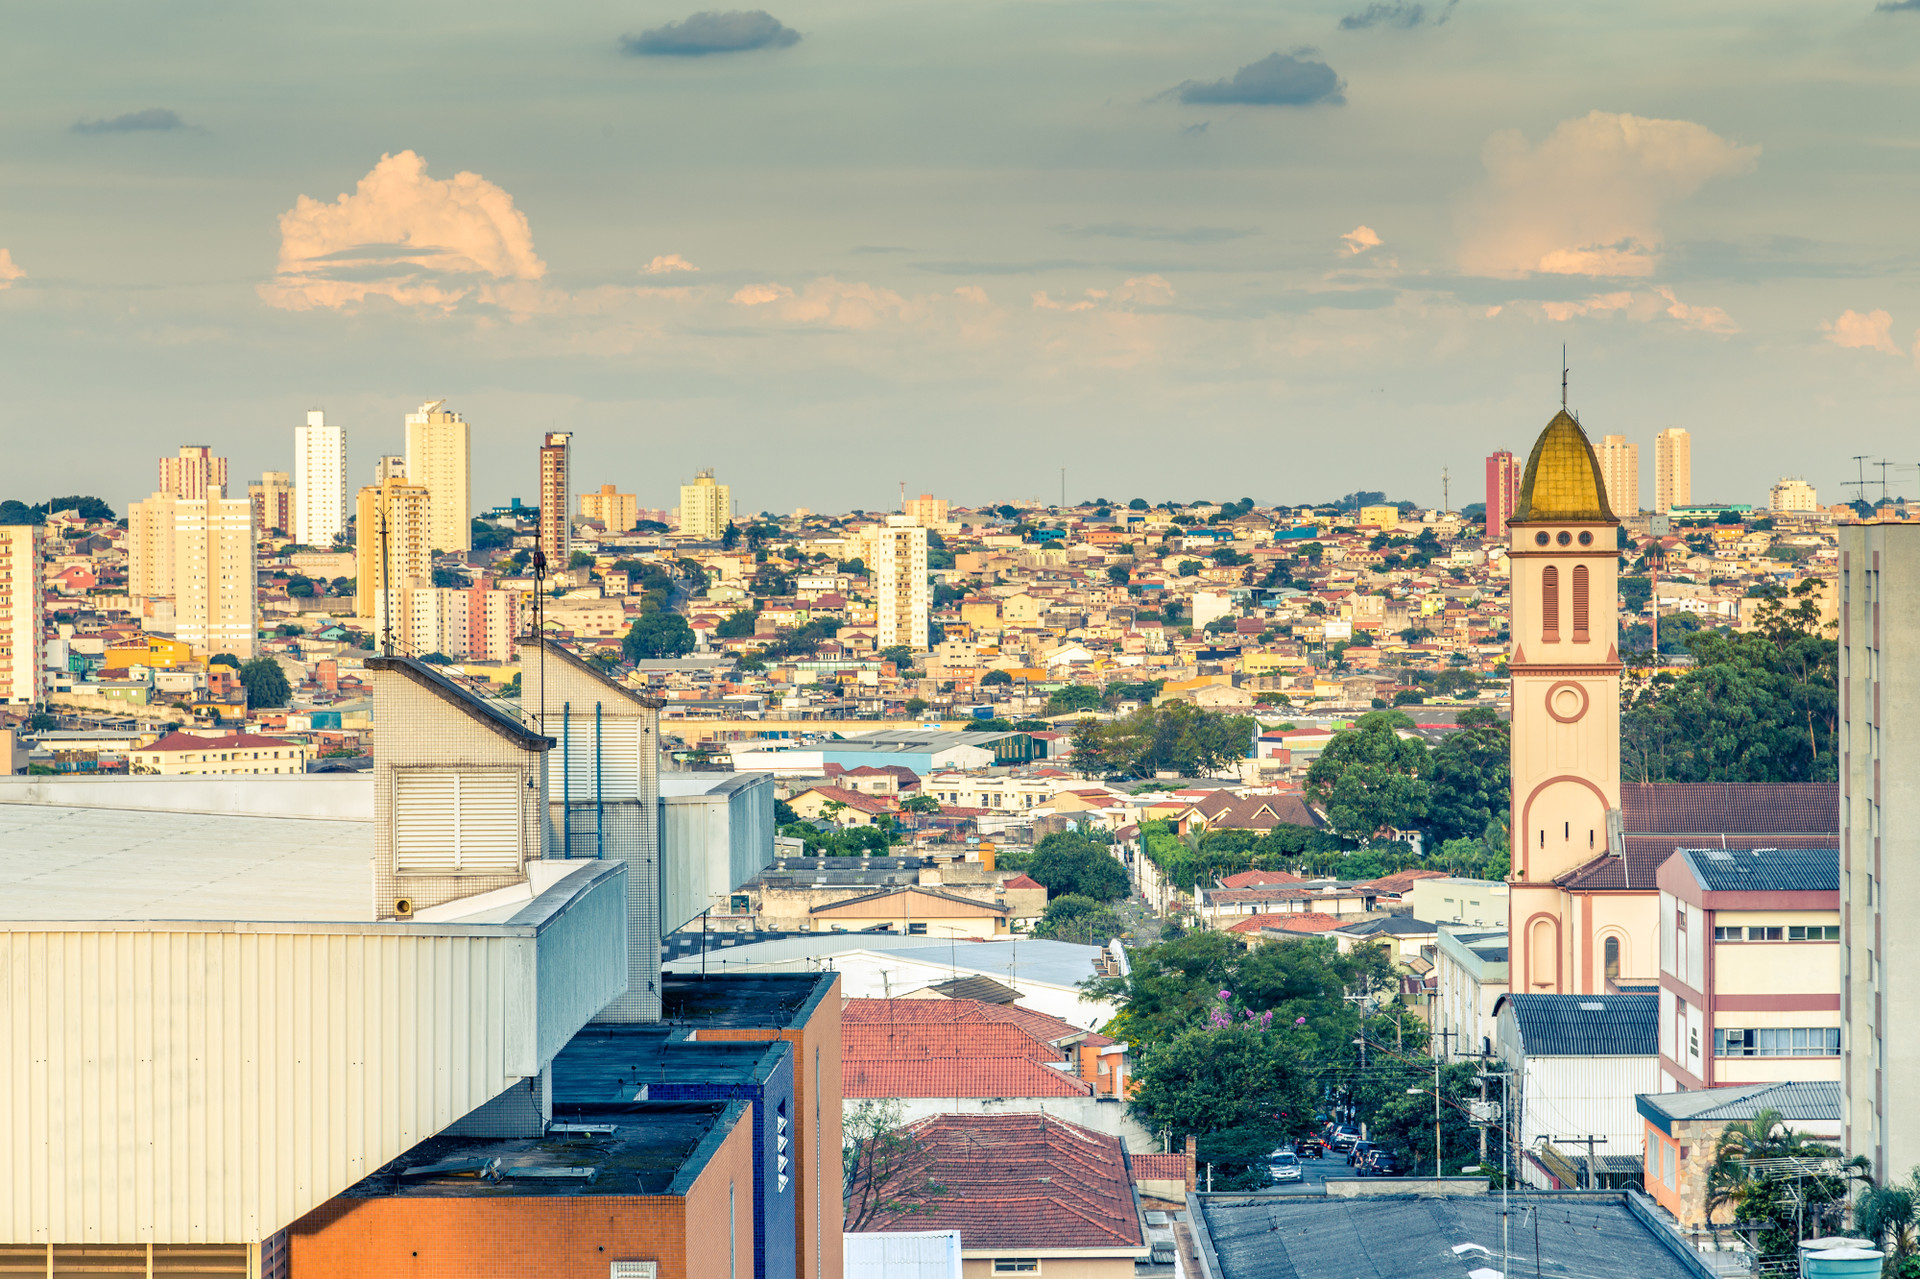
[[1563, 553]]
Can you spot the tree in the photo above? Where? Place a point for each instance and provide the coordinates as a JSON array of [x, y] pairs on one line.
[[884, 1165], [1190, 568], [1369, 778], [661, 634], [915, 705], [1470, 778], [223, 659], [1890, 1216], [738, 624], [730, 538], [1138, 504], [447, 578], [1178, 736], [920, 804], [265, 682], [995, 678], [87, 508], [1079, 919], [1119, 574], [1072, 698], [1240, 1085], [1070, 864], [1785, 1209]]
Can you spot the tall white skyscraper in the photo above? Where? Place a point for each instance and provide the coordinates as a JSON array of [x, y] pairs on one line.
[[1672, 469], [319, 481], [439, 456], [213, 573], [1620, 469], [20, 613], [706, 507], [900, 581]]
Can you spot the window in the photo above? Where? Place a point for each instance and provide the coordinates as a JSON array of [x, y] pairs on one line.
[[1550, 604], [456, 823], [916, 929], [1612, 951], [1774, 933], [1693, 1041], [1813, 932], [1729, 934], [1778, 1041], [1580, 603], [1016, 1265], [1666, 1164]]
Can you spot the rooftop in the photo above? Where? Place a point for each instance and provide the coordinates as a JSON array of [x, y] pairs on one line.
[[1585, 1025], [1764, 870], [1562, 480], [1799, 1101]]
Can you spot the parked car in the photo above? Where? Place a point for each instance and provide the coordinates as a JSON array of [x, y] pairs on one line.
[[1342, 1139], [1283, 1165], [1381, 1163], [1310, 1148], [1357, 1153]]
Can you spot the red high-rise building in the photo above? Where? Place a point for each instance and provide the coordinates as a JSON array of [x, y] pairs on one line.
[[1503, 492]]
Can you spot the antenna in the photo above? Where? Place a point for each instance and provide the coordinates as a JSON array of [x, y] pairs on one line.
[[1446, 496], [1858, 486], [1563, 377], [386, 574]]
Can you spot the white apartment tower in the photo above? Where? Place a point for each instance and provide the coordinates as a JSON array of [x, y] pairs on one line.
[[900, 581], [440, 457], [20, 614], [1880, 843], [319, 482], [1672, 469], [1620, 468], [556, 500], [215, 601], [1791, 495], [706, 507]]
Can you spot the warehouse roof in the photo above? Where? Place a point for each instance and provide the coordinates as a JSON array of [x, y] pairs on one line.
[[1584, 1025]]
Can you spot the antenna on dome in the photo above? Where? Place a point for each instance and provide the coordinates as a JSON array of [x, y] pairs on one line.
[[1563, 377]]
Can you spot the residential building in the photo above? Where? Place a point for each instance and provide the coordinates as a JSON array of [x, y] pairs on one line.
[[706, 507], [900, 582], [20, 615], [1672, 469], [1503, 493], [389, 467], [493, 624], [215, 597], [272, 499], [912, 911], [1620, 471], [1470, 903], [617, 512], [319, 482], [192, 472], [1879, 847], [1790, 495], [439, 458], [1683, 1135], [926, 510], [393, 549], [1749, 966], [556, 499], [186, 754], [1470, 976], [1384, 518], [150, 547], [1577, 1063]]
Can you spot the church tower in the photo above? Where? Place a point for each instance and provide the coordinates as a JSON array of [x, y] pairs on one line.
[[1563, 548]]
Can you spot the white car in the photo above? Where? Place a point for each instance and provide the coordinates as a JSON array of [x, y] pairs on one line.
[[1283, 1165]]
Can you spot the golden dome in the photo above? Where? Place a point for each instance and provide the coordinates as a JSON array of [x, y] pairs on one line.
[[1562, 481]]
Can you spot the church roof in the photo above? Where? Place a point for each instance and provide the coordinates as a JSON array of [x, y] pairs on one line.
[[1562, 480], [1660, 818]]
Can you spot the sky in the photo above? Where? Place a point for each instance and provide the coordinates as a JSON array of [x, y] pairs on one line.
[[1199, 250]]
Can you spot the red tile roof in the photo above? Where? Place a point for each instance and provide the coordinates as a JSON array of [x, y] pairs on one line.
[[922, 1039], [1022, 1182], [1159, 1167], [1023, 881], [851, 798], [1260, 879], [1042, 1026], [1305, 921], [178, 741], [1400, 882], [965, 1077]]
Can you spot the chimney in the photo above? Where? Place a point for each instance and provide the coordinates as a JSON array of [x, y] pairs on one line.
[[1193, 1155]]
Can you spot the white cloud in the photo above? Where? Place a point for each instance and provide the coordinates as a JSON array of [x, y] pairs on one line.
[[1704, 319], [668, 263], [1599, 304], [1588, 199], [1644, 308], [1361, 238], [761, 294], [1872, 331], [8, 271], [410, 239]]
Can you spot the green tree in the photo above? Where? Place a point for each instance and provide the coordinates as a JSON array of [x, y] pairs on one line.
[[1786, 1209], [580, 559], [1073, 698], [265, 682], [1071, 864], [884, 1165], [224, 659], [1470, 778], [662, 634], [1178, 737], [1370, 778], [738, 624], [1079, 919], [920, 804], [1119, 574], [995, 678], [915, 705], [1190, 568], [1241, 1088], [1890, 1216]]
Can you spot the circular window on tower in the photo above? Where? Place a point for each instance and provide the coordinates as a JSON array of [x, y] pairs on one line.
[[1564, 538], [1586, 539], [1540, 539]]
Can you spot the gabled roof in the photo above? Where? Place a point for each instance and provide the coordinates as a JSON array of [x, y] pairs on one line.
[[950, 1040], [956, 1077], [1729, 808], [179, 741], [1584, 1025], [1260, 879], [1400, 882], [1023, 881], [985, 908], [1798, 1101], [1159, 1167], [501, 721], [1043, 1026]]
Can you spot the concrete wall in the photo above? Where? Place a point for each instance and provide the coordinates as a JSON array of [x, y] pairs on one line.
[[1110, 1117], [346, 797]]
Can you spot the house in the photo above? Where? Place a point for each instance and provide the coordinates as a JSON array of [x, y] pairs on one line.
[[1051, 1196], [914, 911], [179, 754], [1026, 897], [1683, 1129], [1226, 811], [1405, 937], [1103, 1063], [1219, 907], [1470, 976], [1450, 899], [1749, 966], [1577, 1062], [840, 805]]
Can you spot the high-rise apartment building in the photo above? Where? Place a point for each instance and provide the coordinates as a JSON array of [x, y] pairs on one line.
[[319, 482], [192, 472], [20, 613], [389, 467], [272, 499], [215, 601], [150, 547], [1792, 495], [440, 458], [1672, 469], [900, 581], [1620, 468], [465, 623], [1503, 493], [617, 512], [706, 507], [556, 500], [393, 549], [926, 510]]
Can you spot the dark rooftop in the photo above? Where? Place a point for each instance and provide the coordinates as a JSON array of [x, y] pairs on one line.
[[1586, 1025], [1765, 870], [774, 1001], [1729, 808], [611, 1062]]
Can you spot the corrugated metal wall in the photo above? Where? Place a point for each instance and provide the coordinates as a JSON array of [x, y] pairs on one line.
[[190, 1084]]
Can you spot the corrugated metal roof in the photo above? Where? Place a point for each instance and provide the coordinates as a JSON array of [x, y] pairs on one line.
[[1586, 1025], [1797, 1101], [1765, 870]]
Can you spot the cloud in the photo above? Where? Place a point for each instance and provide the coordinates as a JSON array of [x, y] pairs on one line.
[[852, 305], [408, 238], [1146, 290], [667, 264], [1643, 307], [1599, 304], [1277, 80], [152, 120], [1397, 13], [1870, 332], [1701, 319], [1162, 234], [734, 31], [8, 271], [1361, 238], [1897, 6], [1588, 199]]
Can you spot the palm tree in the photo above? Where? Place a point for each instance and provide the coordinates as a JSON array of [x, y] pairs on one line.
[[1758, 1195], [1890, 1215]]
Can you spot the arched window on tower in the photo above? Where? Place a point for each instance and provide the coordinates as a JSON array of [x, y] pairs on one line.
[[1550, 604], [1579, 603], [1613, 958]]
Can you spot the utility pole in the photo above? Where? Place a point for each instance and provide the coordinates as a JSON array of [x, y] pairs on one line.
[[1436, 1118], [1446, 494]]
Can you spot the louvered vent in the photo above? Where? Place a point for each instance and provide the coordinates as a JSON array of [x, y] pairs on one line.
[[449, 823]]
